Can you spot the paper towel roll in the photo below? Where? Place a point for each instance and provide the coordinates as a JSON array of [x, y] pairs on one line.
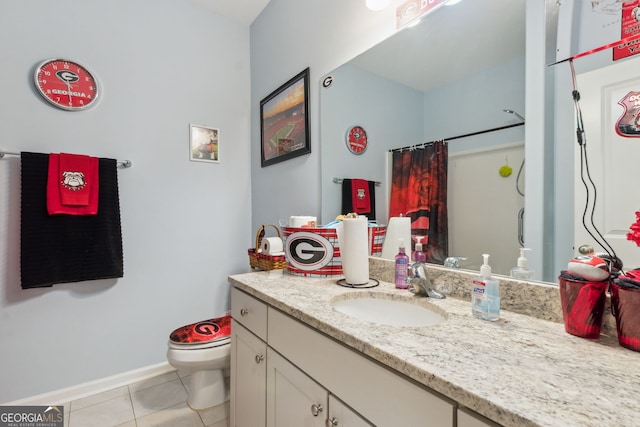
[[272, 246], [399, 228], [354, 239], [299, 221]]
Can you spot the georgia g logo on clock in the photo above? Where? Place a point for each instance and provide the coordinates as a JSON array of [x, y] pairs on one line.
[[357, 140]]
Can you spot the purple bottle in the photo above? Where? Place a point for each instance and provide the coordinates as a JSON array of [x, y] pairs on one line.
[[402, 266]]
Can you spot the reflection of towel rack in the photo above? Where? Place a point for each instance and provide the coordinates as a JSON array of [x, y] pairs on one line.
[[339, 181], [121, 163]]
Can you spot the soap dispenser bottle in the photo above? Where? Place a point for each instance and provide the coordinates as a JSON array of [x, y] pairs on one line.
[[418, 255], [522, 270], [485, 293], [402, 266]]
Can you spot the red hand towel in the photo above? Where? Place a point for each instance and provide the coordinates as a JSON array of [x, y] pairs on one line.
[[72, 185], [360, 197]]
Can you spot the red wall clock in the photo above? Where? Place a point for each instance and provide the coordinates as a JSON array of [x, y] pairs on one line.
[[357, 140], [66, 84]]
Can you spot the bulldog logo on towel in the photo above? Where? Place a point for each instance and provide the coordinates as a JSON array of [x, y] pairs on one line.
[[360, 194], [73, 181]]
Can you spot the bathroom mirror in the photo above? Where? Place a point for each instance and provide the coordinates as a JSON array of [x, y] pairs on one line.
[[453, 74], [385, 98]]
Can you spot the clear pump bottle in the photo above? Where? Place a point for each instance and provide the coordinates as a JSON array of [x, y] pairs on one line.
[[485, 294], [521, 270]]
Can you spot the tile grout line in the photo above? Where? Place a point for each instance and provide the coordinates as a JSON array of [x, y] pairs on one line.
[[133, 410]]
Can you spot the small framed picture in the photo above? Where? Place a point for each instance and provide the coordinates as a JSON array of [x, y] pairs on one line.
[[204, 144], [284, 121]]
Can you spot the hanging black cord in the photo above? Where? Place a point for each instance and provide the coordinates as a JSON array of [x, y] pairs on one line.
[[584, 171]]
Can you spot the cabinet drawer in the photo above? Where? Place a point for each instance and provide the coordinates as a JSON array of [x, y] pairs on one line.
[[250, 312]]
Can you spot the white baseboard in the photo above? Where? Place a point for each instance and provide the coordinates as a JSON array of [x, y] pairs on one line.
[[64, 395]]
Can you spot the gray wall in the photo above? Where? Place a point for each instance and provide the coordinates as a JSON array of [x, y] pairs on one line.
[[475, 104], [289, 36], [390, 113], [162, 65], [395, 116]]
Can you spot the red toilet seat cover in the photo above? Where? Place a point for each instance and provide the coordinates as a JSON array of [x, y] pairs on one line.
[[202, 332]]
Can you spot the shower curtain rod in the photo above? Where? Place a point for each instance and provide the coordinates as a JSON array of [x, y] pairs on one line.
[[424, 144], [121, 163]]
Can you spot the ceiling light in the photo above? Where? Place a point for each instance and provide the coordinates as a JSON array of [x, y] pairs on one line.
[[377, 4]]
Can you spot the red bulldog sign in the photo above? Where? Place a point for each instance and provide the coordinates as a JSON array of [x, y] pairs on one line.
[[629, 31]]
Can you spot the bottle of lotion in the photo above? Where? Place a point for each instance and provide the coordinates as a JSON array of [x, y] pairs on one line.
[[485, 294], [402, 265]]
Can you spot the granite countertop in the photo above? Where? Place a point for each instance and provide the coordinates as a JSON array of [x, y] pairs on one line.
[[518, 371]]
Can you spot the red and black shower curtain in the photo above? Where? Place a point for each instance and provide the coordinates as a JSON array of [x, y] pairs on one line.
[[419, 191]]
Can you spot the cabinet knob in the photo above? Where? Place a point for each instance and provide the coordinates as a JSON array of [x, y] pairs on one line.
[[316, 409], [332, 422], [244, 312], [259, 358]]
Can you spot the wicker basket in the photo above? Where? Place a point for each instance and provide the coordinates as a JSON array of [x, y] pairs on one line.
[[262, 261]]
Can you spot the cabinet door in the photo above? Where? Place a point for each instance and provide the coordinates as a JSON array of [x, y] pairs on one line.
[[248, 378], [340, 415], [293, 399]]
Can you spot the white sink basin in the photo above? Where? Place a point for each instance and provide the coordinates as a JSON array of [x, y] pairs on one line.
[[386, 311]]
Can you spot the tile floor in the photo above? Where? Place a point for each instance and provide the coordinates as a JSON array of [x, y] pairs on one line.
[[158, 401]]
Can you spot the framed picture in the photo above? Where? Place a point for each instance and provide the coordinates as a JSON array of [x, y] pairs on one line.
[[204, 144], [284, 121]]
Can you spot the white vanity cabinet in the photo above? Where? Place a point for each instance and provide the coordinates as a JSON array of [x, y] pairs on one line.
[[313, 380], [378, 394]]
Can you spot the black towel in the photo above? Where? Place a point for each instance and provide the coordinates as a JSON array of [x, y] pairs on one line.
[[347, 201], [68, 248]]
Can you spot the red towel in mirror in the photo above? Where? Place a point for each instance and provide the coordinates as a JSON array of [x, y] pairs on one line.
[[72, 184], [361, 198]]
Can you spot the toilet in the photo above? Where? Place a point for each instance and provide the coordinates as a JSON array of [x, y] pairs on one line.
[[204, 350]]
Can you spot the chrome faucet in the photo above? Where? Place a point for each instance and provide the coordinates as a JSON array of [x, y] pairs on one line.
[[454, 261], [419, 282]]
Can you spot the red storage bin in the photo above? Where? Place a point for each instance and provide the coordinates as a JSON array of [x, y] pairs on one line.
[[582, 306], [626, 309]]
